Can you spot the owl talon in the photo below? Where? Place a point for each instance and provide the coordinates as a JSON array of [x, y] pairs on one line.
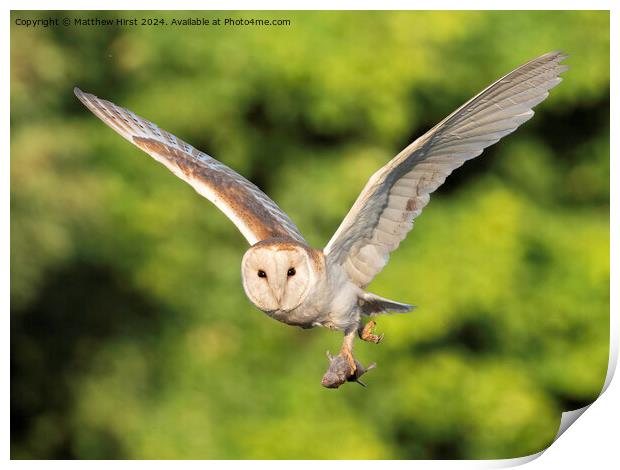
[[367, 334], [348, 355]]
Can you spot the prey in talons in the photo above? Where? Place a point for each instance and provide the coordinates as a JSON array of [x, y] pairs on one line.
[[339, 371], [344, 367]]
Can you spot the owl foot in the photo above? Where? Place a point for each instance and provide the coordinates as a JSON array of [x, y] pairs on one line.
[[348, 355], [339, 371], [367, 334]]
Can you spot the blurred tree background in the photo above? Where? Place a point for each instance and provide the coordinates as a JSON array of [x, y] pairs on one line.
[[131, 336]]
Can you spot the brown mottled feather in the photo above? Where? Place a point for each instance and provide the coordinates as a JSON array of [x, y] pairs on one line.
[[252, 211]]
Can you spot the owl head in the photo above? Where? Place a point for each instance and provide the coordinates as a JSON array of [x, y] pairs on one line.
[[277, 275]]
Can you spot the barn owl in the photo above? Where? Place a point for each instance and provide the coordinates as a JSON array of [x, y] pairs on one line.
[[307, 287]]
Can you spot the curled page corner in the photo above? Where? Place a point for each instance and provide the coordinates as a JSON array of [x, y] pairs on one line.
[[569, 417]]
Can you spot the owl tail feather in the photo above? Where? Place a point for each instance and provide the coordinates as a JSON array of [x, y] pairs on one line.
[[372, 304]]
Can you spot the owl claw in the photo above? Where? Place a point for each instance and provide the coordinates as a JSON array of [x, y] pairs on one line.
[[367, 334]]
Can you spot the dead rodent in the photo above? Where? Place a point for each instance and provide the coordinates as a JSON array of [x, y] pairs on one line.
[[339, 372]]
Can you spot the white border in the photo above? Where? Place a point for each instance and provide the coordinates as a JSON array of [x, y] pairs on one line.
[[592, 441], [312, 5]]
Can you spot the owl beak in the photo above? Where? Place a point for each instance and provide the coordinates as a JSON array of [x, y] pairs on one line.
[[280, 294], [278, 290]]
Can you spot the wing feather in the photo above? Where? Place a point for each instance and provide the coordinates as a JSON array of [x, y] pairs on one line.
[[256, 216], [395, 195]]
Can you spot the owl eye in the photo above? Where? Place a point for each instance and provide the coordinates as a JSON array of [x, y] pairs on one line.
[[291, 272], [262, 273]]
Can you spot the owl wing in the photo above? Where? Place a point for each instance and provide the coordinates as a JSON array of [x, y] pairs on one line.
[[395, 195], [256, 216]]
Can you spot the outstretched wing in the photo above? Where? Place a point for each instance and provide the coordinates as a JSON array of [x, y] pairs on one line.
[[255, 215], [396, 194]]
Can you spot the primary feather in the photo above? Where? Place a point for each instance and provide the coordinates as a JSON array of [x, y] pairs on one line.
[[395, 195]]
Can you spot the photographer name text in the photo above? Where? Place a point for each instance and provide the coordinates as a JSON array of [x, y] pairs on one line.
[[147, 21]]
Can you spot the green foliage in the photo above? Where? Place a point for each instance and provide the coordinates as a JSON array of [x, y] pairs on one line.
[[131, 336]]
